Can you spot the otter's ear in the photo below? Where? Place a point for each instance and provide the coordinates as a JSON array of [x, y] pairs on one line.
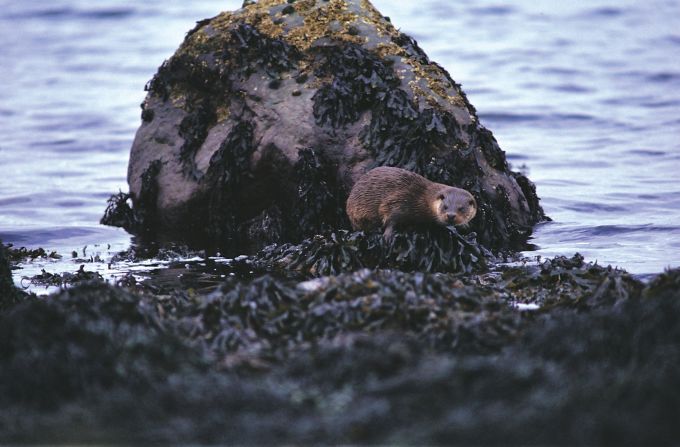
[[441, 197]]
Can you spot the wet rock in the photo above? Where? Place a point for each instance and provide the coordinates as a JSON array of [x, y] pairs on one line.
[[8, 293], [15, 255], [62, 279], [265, 117]]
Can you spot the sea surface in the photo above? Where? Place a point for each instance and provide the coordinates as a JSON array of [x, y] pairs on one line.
[[583, 96]]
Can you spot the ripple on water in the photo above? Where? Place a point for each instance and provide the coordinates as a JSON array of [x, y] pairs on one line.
[[572, 88], [494, 10], [663, 77], [617, 230], [54, 13], [602, 12], [646, 152], [594, 207]]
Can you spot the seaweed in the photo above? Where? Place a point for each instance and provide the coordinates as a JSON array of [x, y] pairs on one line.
[[16, 255], [268, 316], [119, 213], [269, 227], [90, 337], [147, 115], [433, 249], [529, 191], [249, 50], [229, 167], [320, 204], [146, 203], [142, 219], [493, 154], [184, 71], [62, 279], [9, 295], [358, 78], [410, 45], [399, 135], [194, 129], [571, 283], [363, 357]]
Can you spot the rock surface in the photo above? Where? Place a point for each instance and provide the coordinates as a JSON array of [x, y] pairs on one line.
[[255, 130]]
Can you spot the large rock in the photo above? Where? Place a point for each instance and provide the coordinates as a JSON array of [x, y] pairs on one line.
[[255, 130]]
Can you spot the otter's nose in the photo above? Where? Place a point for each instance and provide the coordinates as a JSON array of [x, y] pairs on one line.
[[451, 217]]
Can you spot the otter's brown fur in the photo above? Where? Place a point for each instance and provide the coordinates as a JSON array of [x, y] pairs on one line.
[[387, 197]]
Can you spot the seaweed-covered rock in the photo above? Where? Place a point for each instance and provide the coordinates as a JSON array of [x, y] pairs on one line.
[[269, 316], [434, 249], [85, 338], [8, 293], [265, 117], [570, 282], [371, 357]]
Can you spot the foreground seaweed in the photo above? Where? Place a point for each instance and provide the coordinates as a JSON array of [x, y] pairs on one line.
[[370, 356]]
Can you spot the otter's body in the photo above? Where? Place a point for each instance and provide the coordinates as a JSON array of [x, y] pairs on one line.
[[387, 197]]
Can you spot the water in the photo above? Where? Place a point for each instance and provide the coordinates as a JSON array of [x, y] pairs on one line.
[[584, 96]]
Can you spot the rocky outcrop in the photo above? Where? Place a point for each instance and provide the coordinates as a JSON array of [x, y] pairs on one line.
[[255, 130]]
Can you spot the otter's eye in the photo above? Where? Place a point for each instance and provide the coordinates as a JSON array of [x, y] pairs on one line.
[[441, 197], [445, 207]]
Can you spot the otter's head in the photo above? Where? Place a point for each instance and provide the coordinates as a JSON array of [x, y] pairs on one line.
[[455, 206]]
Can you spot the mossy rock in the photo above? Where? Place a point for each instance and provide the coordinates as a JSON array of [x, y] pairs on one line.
[[255, 130]]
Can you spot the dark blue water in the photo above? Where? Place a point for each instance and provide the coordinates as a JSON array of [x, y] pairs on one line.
[[584, 96]]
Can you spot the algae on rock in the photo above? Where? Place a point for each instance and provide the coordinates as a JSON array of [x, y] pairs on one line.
[[330, 78]]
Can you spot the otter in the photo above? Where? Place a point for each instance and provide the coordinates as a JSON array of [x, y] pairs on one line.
[[388, 197]]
